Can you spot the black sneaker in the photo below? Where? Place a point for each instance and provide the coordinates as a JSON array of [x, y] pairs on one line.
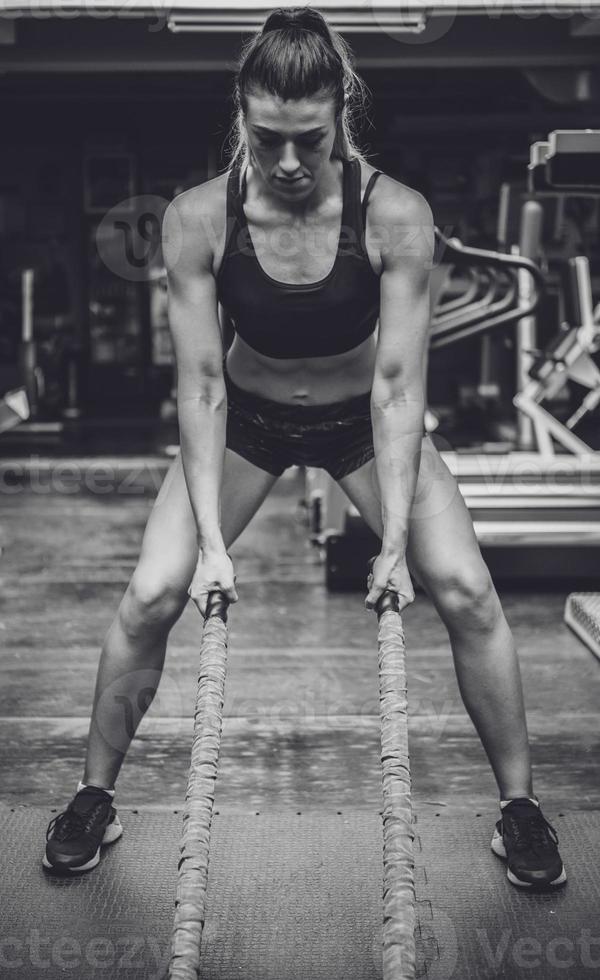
[[525, 839], [89, 821]]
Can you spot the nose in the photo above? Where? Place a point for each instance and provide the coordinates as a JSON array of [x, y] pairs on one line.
[[288, 162]]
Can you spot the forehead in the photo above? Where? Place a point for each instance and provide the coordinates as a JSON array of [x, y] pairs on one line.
[[264, 109]]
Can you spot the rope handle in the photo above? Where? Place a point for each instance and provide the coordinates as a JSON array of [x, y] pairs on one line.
[[387, 600], [217, 604]]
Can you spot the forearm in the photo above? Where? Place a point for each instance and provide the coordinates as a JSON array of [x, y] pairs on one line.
[[397, 437], [202, 427]]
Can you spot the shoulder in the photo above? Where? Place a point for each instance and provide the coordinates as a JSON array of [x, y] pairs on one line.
[[202, 199], [401, 220], [399, 201], [194, 222]]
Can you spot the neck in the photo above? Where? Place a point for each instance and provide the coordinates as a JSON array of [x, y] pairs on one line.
[[327, 186]]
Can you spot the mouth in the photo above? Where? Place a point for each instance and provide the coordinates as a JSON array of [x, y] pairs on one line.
[[287, 182]]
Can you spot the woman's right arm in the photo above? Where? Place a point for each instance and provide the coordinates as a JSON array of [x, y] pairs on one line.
[[201, 393]]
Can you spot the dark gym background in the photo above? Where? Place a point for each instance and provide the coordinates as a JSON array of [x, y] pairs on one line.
[[98, 109]]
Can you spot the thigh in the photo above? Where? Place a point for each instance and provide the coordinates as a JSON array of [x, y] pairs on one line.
[[442, 546], [170, 544]]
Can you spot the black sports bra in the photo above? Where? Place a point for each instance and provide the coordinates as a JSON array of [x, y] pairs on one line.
[[314, 319]]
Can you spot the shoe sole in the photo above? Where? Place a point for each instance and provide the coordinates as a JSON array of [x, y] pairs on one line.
[[112, 833], [499, 849]]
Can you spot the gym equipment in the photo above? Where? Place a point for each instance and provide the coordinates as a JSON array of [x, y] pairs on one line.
[[399, 957], [14, 408], [493, 298], [200, 796], [30, 369], [566, 161], [582, 614], [568, 358], [48, 360], [536, 508]]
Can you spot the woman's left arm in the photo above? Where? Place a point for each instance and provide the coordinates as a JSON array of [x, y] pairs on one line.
[[404, 227]]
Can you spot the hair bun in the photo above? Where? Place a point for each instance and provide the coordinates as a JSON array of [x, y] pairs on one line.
[[300, 18], [276, 21]]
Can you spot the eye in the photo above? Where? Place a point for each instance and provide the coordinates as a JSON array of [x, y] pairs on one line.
[[312, 144]]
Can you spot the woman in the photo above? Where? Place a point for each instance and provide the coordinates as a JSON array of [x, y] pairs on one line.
[[305, 381]]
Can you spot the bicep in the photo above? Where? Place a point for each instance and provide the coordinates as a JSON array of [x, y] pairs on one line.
[[192, 301], [405, 308]]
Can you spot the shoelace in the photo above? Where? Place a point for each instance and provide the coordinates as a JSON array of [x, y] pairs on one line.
[[531, 831], [70, 822]]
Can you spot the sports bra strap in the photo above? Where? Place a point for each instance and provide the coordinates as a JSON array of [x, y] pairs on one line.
[[368, 190]]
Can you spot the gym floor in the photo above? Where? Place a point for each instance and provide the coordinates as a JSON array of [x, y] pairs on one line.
[[301, 717]]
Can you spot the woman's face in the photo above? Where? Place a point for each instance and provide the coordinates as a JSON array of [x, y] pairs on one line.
[[290, 142]]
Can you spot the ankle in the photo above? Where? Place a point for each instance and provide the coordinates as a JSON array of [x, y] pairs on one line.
[[513, 791], [523, 796], [81, 785]]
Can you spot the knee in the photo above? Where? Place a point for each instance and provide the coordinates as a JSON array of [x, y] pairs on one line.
[[467, 598], [150, 603]]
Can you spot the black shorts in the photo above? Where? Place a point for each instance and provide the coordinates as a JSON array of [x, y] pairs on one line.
[[273, 435]]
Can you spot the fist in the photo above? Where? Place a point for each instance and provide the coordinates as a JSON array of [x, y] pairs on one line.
[[389, 571]]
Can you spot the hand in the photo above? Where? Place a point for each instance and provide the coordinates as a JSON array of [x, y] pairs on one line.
[[214, 571], [390, 571]]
